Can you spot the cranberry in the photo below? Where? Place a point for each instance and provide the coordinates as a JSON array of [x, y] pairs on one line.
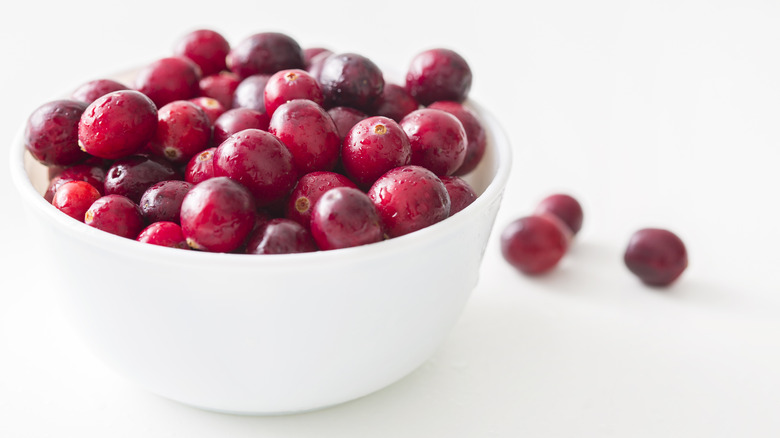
[[438, 140], [280, 236], [74, 198], [94, 175], [162, 201], [259, 161], [51, 133], [438, 74], [351, 80], [461, 193], [236, 120], [250, 93], [131, 176], [286, 85], [565, 208], [314, 66], [534, 244], [408, 199], [345, 118], [220, 86], [658, 257], [115, 214], [200, 167], [169, 79], [90, 91], [117, 124], [164, 234], [308, 190], [217, 215], [476, 138], [309, 133], [210, 106], [311, 52], [205, 48], [345, 217], [265, 53], [395, 103], [372, 147], [183, 130]]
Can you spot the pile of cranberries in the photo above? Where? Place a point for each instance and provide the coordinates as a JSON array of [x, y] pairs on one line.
[[262, 147]]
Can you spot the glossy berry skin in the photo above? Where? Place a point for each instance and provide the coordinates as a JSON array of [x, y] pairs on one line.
[[118, 124], [74, 198], [115, 214], [251, 93], [565, 208], [206, 48], [217, 215], [162, 201], [408, 199], [236, 120], [265, 53], [311, 52], [657, 256], [438, 74], [51, 133], [352, 80], [183, 130], [345, 118], [200, 167], [166, 234], [286, 85], [461, 193], [345, 217], [309, 189], [280, 236], [260, 162], [314, 65], [437, 138], [220, 86], [131, 176], [211, 107], [476, 137], [91, 90], [309, 133], [534, 244], [395, 103], [169, 79], [94, 175], [372, 147]]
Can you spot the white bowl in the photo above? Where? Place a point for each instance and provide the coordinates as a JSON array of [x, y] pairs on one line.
[[267, 334]]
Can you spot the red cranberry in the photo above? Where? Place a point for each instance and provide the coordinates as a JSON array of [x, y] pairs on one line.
[[115, 214], [286, 85], [162, 201], [236, 120], [438, 140], [372, 147], [476, 138], [183, 130], [94, 175], [438, 74], [259, 161], [395, 103], [51, 133], [131, 176], [205, 48], [265, 53], [210, 106], [345, 118], [309, 133], [74, 198], [117, 124], [169, 79], [220, 86], [345, 217], [90, 91], [408, 199], [461, 193], [565, 208], [351, 80], [163, 234], [658, 257], [308, 190], [311, 52], [314, 66], [217, 215], [250, 93], [534, 244], [280, 236], [200, 167]]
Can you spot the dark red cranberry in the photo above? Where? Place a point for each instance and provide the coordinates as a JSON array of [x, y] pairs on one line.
[[162, 201], [372, 147], [565, 207], [115, 214], [345, 217], [183, 130], [286, 85], [438, 140], [94, 175], [534, 244], [200, 167], [51, 134], [210, 106], [251, 93], [259, 161], [408, 199], [131, 176], [308, 190], [74, 198], [280, 236], [265, 53], [220, 86], [438, 74], [236, 120], [314, 66], [658, 257], [205, 48], [309, 133], [311, 52], [476, 138], [118, 124], [461, 193], [351, 80], [90, 91], [395, 102], [217, 215], [345, 118], [169, 79], [163, 234]]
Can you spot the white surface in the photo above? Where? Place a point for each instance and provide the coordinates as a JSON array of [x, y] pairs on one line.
[[659, 113]]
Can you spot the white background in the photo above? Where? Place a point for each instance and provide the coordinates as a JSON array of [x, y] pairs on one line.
[[652, 113]]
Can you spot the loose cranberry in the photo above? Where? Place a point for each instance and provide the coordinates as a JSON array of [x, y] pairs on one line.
[[265, 53], [438, 140], [169, 79], [236, 120], [131, 176], [250, 93], [259, 161], [217, 215], [345, 217], [345, 118], [309, 133], [164, 234], [534, 244], [395, 102], [351, 80], [200, 167], [438, 74], [90, 91], [565, 207], [183, 130], [220, 86], [408, 199], [308, 190], [117, 124], [461, 193], [476, 138], [115, 214], [94, 175], [372, 147], [210, 106], [314, 66], [311, 52], [658, 257], [74, 198], [205, 48], [162, 201], [286, 85], [51, 133], [280, 236]]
